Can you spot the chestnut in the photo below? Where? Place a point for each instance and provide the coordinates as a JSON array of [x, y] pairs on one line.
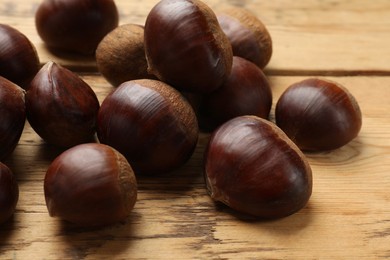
[[318, 114], [120, 56], [19, 61], [245, 92], [185, 46], [90, 185], [254, 168], [247, 34], [12, 116], [75, 25], [61, 107], [150, 123], [9, 193]]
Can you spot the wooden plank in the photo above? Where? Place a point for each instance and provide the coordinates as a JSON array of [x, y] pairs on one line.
[[348, 216], [310, 36]]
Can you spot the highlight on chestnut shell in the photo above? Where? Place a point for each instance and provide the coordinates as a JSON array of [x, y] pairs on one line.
[[19, 61], [12, 116], [61, 107], [90, 185], [75, 26], [254, 168], [249, 37], [150, 123], [9, 193], [245, 92], [318, 114], [185, 46]]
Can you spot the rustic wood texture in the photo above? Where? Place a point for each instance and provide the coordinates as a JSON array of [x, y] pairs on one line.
[[348, 215], [330, 37]]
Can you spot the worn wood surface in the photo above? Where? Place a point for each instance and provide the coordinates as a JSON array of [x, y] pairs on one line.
[[348, 216]]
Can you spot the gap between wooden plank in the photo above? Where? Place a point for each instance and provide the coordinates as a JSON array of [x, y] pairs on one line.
[[334, 73]]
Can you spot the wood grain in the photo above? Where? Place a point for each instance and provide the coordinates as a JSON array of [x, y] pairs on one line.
[[310, 37], [348, 215]]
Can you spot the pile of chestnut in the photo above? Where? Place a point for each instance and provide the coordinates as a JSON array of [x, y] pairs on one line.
[[187, 69]]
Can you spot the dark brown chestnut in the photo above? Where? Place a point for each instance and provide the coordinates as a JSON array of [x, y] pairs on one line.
[[150, 123], [245, 92], [318, 114], [9, 193], [120, 56], [75, 25], [248, 35], [61, 107], [90, 185], [185, 46], [19, 61], [12, 116], [254, 168]]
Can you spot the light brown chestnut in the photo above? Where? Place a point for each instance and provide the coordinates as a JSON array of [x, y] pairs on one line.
[[318, 114], [61, 107], [19, 61], [90, 185], [248, 35], [75, 25], [254, 168], [9, 193], [185, 46], [12, 116], [150, 123], [120, 56]]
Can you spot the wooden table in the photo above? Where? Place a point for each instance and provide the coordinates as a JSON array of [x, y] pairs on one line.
[[348, 216]]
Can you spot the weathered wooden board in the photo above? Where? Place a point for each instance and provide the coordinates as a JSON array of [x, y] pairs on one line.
[[348, 216], [310, 36]]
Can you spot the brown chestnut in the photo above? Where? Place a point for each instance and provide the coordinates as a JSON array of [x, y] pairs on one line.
[[318, 114], [90, 185], [19, 60], [61, 107], [12, 116], [9, 193], [75, 25], [150, 123], [248, 35], [185, 46], [120, 56], [254, 168], [245, 92]]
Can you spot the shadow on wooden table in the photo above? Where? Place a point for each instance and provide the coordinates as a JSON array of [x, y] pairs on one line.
[[303, 216], [81, 241], [6, 230]]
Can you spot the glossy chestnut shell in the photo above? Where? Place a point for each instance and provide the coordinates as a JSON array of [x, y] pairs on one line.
[[318, 114], [120, 56], [245, 92], [254, 168], [185, 46], [12, 116], [247, 34], [9, 193], [90, 185], [75, 25], [150, 123], [61, 107], [19, 61]]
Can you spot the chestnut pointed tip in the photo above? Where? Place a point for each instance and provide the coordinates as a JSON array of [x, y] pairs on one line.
[[61, 107]]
